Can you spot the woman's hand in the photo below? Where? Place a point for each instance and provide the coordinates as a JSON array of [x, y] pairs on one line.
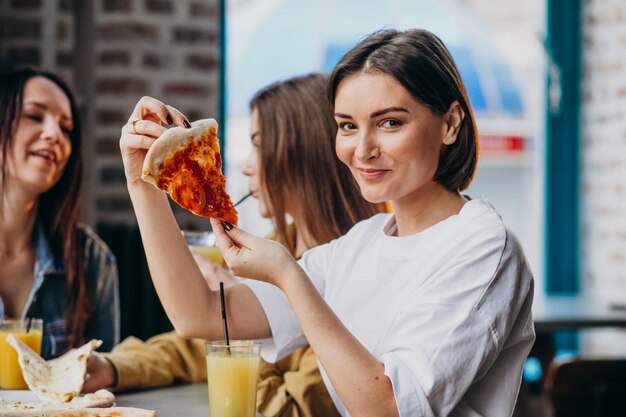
[[100, 373], [213, 273], [142, 129], [249, 256]]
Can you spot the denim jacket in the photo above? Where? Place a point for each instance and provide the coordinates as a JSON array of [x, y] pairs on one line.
[[48, 297]]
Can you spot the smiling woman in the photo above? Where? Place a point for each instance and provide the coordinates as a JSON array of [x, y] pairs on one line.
[[50, 266], [425, 311]]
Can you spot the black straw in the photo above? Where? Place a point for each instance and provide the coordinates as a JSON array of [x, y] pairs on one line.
[[242, 199], [224, 323], [28, 324]]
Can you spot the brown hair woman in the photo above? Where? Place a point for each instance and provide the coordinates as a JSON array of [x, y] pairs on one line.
[[51, 267]]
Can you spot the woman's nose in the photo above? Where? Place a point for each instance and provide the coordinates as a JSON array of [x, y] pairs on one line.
[[51, 132], [366, 147], [248, 167]]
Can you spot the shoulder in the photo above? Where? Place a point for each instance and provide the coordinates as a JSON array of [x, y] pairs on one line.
[[374, 224], [93, 246]]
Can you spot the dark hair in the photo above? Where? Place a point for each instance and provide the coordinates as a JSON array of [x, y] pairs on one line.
[[423, 65], [298, 161], [57, 207]]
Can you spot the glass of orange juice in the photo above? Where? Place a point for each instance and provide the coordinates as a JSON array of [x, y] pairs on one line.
[[10, 371], [232, 376], [205, 244]]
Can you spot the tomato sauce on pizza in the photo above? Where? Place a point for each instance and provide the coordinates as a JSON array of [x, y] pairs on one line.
[[191, 172]]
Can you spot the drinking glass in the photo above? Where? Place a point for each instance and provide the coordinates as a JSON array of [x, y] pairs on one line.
[[232, 376], [205, 244], [10, 370]]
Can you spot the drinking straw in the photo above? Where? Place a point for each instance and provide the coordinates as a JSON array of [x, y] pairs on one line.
[[242, 199], [224, 323], [28, 324]]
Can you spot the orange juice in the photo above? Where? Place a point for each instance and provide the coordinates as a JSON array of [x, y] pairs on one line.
[[10, 371], [232, 379], [210, 252]]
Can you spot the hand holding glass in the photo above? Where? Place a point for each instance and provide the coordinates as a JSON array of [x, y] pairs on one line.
[[205, 244], [10, 371]]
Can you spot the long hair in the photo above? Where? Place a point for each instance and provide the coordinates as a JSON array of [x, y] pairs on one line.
[[298, 161], [419, 61], [57, 207]]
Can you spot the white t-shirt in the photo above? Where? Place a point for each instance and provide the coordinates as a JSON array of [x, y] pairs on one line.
[[447, 310]]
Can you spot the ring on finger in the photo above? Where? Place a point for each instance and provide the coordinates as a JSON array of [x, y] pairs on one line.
[[133, 123]]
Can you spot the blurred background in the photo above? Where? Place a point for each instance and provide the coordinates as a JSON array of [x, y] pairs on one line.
[[546, 78]]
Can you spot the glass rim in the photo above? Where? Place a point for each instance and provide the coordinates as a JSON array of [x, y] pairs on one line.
[[26, 320], [233, 343], [33, 324]]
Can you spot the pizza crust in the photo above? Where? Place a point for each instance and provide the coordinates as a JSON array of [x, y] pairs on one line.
[[168, 143], [186, 163]]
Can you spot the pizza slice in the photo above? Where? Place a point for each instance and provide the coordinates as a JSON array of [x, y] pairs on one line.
[[59, 381], [186, 163]]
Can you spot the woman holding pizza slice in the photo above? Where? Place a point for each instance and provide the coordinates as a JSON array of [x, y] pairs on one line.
[[423, 312], [304, 136], [51, 267]]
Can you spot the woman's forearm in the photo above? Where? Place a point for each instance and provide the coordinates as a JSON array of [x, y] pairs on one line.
[[192, 307], [176, 277], [357, 376]]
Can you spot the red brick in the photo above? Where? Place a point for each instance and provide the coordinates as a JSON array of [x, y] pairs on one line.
[[114, 57], [203, 9], [187, 88], [21, 29], [24, 56], [66, 5], [114, 204], [108, 145], [152, 61], [116, 5], [111, 117], [192, 36], [112, 175], [128, 31], [202, 62], [65, 58], [25, 4], [159, 6], [120, 85], [62, 31]]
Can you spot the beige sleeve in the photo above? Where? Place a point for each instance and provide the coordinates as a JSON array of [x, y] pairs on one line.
[[161, 360], [293, 387]]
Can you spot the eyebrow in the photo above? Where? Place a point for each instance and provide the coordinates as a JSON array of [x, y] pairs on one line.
[[44, 107], [376, 113]]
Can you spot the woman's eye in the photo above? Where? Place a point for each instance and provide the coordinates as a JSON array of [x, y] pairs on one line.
[[34, 117], [66, 130], [347, 126], [391, 123]]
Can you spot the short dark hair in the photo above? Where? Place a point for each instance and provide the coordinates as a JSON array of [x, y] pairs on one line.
[[423, 65]]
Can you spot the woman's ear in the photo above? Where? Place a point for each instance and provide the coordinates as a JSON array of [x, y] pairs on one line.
[[453, 119]]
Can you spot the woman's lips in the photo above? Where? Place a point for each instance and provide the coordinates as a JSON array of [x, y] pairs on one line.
[[372, 174]]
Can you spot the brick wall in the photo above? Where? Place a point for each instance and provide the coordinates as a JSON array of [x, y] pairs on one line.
[[112, 52], [603, 182]]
